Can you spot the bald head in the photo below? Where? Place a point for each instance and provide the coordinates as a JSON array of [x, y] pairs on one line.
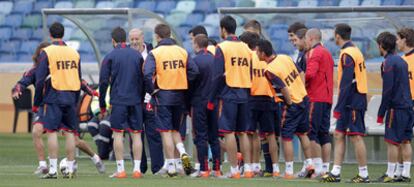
[[313, 36], [136, 38]]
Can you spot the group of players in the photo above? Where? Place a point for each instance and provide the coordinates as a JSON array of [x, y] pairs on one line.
[[238, 90]]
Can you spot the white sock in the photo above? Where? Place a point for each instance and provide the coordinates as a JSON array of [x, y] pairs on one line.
[[308, 162], [275, 168], [170, 165], [391, 169], [399, 170], [363, 171], [178, 164], [318, 165], [247, 167], [180, 148], [52, 165], [325, 167], [42, 163], [289, 168], [234, 170], [406, 170], [120, 166], [197, 166], [336, 170], [95, 158], [70, 165], [256, 167], [137, 165]]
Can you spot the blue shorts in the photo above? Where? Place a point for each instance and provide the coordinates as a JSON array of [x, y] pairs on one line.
[[295, 120], [399, 126], [278, 119], [128, 118], [264, 121], [170, 118], [60, 117], [233, 117], [351, 122], [320, 121]]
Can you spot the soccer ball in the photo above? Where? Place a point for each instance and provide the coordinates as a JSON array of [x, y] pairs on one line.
[[63, 166]]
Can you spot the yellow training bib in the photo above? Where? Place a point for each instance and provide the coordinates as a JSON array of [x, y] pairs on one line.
[[359, 68]]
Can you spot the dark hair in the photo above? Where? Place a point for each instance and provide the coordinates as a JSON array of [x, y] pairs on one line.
[[301, 33], [56, 30], [295, 27], [119, 35], [265, 46], [387, 41], [250, 39], [198, 30], [39, 49], [201, 40], [253, 24], [408, 34], [343, 30], [212, 41], [163, 30], [228, 23]]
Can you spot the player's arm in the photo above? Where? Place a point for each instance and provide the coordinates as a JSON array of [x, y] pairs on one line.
[[387, 85], [278, 84], [87, 89], [141, 77], [27, 79], [312, 66], [149, 73], [104, 77], [345, 87], [192, 70], [217, 81], [42, 71]]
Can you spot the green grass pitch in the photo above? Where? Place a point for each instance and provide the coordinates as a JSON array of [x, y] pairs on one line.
[[18, 161]]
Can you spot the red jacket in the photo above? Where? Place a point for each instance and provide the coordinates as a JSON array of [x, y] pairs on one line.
[[319, 74]]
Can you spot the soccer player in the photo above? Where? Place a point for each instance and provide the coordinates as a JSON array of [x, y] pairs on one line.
[[202, 30], [405, 43], [167, 71], [263, 106], [351, 107], [288, 78], [231, 84], [61, 92], [397, 103], [137, 42], [319, 85], [121, 69], [199, 113], [253, 26], [293, 31], [38, 130]]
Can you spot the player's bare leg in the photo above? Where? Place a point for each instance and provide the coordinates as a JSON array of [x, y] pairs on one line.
[[168, 145], [119, 155], [53, 149], [256, 152], [339, 153], [361, 155], [288, 154], [37, 133], [308, 168], [392, 155], [407, 153], [137, 151], [185, 158], [316, 153], [70, 153], [273, 150], [246, 149], [84, 147], [231, 149], [326, 157]]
